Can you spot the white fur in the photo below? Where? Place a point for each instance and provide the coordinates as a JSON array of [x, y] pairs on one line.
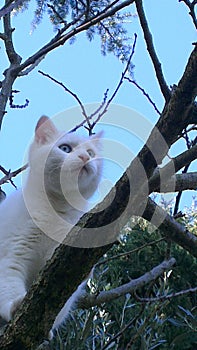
[[51, 202]]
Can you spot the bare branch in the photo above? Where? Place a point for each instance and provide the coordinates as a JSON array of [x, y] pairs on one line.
[[171, 168], [125, 254], [182, 182], [72, 94], [10, 174], [145, 94], [130, 287], [175, 117], [29, 69], [104, 105], [9, 6], [119, 84], [191, 6], [166, 297], [12, 105], [185, 170], [14, 58], [61, 39], [150, 47], [170, 228], [10, 74]]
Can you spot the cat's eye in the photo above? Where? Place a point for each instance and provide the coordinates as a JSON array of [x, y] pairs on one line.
[[65, 148], [91, 153]]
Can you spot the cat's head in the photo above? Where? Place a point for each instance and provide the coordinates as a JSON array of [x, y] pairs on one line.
[[68, 163]]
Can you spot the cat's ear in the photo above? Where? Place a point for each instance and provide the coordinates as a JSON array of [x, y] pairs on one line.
[[45, 130], [97, 139]]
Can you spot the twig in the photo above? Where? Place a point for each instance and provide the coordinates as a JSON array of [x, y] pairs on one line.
[[143, 326], [191, 6], [119, 84], [11, 99], [125, 254], [105, 104], [165, 297], [13, 57], [150, 47], [57, 13], [144, 93], [71, 93], [128, 325], [93, 114], [10, 174], [106, 296]]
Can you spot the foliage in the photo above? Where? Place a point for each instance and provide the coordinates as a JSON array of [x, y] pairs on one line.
[[65, 15], [129, 322]]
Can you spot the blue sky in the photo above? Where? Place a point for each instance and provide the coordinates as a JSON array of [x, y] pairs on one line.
[[83, 69]]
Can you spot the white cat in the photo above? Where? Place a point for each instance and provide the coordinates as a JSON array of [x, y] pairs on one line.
[[64, 171]]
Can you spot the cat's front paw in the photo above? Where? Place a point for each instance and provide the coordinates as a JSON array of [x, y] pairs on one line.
[[15, 304], [8, 309]]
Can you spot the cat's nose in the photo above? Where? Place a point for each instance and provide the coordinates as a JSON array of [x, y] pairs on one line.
[[84, 157]]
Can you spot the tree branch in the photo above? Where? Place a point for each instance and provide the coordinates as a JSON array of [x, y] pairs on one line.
[[14, 58], [61, 39], [90, 300], [162, 175], [10, 74], [104, 105], [170, 228], [167, 296], [175, 117], [191, 6], [35, 316], [150, 47], [182, 182], [9, 6], [178, 110], [10, 174], [144, 93]]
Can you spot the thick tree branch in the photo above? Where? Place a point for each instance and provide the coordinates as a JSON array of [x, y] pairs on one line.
[[170, 228], [182, 182], [175, 117], [162, 175], [35, 317]]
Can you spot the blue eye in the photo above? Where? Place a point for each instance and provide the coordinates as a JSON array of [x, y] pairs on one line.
[[91, 153], [65, 148]]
